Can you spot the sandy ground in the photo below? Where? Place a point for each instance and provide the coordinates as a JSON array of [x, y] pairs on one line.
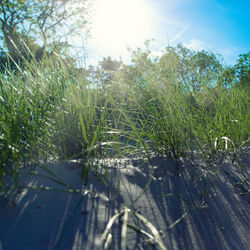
[[63, 220]]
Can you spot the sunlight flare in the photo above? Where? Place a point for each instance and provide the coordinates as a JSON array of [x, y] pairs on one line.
[[117, 24]]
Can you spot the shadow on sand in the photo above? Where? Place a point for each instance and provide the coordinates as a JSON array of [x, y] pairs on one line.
[[65, 220]]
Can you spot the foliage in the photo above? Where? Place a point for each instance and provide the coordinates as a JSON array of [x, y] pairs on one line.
[[28, 27], [170, 114], [104, 73], [188, 69], [242, 71], [237, 75], [151, 107], [28, 100]]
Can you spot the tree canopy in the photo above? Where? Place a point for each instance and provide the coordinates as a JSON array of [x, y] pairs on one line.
[[242, 70], [178, 65], [34, 24]]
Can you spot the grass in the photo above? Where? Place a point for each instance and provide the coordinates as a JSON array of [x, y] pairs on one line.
[[107, 237], [50, 110]]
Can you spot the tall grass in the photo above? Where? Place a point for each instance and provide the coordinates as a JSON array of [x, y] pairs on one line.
[[52, 108], [52, 111], [28, 98], [171, 119]]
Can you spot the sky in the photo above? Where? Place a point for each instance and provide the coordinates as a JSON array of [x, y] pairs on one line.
[[219, 26]]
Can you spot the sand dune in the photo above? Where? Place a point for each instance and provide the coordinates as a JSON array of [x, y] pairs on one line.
[[64, 220]]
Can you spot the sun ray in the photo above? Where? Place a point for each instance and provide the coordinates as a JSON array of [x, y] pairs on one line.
[[119, 23]]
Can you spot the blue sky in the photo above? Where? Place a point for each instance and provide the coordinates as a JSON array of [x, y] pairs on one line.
[[220, 26]]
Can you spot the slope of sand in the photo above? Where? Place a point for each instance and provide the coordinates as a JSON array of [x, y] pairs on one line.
[[63, 220]]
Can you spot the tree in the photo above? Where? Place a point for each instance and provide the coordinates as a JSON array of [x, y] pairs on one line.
[[206, 68], [190, 68], [175, 65], [185, 68], [109, 64], [104, 73], [227, 78], [242, 71], [24, 23], [108, 67], [237, 75]]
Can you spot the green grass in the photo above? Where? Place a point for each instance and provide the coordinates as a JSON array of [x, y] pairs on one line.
[[51, 111]]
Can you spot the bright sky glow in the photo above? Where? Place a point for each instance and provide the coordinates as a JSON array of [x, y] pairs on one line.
[[219, 26], [120, 23]]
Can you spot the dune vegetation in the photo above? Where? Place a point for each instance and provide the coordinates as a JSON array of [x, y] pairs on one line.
[[180, 104]]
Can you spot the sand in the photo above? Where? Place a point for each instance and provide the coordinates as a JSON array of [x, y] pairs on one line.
[[57, 219]]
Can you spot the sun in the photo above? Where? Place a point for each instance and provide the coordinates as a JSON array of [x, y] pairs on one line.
[[120, 23]]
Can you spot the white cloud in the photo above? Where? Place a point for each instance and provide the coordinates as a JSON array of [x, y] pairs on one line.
[[226, 51], [229, 53], [196, 44]]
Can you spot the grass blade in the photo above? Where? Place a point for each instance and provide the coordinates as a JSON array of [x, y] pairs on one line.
[[109, 225], [124, 227], [108, 241], [156, 234]]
